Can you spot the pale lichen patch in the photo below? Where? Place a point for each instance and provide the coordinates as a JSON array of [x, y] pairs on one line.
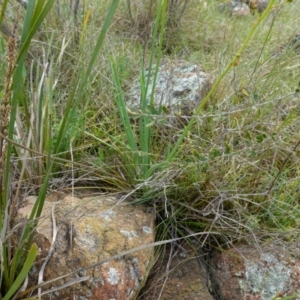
[[113, 276], [129, 234], [267, 277], [108, 215], [147, 229]]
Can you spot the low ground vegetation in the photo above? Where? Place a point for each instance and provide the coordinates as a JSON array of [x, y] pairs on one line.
[[234, 173]]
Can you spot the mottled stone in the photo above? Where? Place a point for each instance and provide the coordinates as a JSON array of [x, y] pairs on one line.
[[180, 86], [246, 272], [241, 10], [259, 5], [91, 230]]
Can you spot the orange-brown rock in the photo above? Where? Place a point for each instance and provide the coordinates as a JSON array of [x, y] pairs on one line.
[[91, 230]]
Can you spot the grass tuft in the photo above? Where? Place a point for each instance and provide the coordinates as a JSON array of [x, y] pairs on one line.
[[230, 170]]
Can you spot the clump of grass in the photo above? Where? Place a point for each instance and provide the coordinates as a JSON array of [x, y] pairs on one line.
[[15, 262], [238, 142], [138, 21], [231, 172], [29, 141], [219, 174]]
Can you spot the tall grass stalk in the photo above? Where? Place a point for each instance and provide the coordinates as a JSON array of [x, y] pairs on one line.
[[15, 266], [141, 155], [233, 63], [16, 262]]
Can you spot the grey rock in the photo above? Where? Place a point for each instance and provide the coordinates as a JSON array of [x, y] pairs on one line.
[[179, 85], [241, 10], [245, 272]]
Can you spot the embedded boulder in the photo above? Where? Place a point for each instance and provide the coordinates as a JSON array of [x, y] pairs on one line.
[[246, 272], [89, 232], [180, 87]]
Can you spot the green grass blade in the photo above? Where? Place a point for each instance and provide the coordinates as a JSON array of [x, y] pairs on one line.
[[30, 26], [26, 25], [33, 20], [4, 5], [81, 82], [33, 252], [160, 24], [122, 109], [293, 297], [100, 41], [145, 130], [28, 233], [113, 144]]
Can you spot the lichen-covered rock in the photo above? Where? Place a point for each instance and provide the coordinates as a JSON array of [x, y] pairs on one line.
[[241, 10], [259, 5], [243, 7], [245, 272], [91, 230], [180, 86]]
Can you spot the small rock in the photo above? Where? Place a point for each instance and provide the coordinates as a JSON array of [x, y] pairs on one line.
[[262, 5], [179, 86], [259, 5], [245, 272], [241, 10]]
